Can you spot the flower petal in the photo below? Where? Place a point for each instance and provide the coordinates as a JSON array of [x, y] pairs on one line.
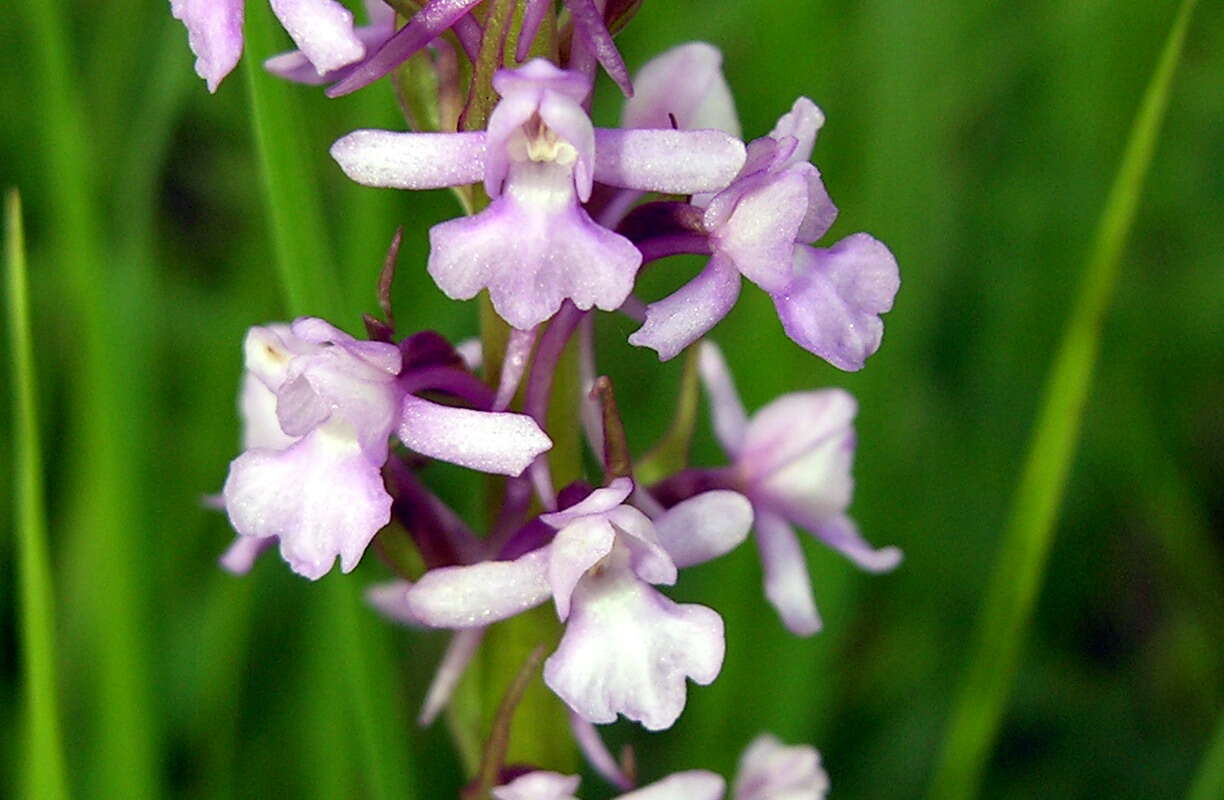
[[694, 784], [240, 556], [627, 650], [685, 315], [759, 234], [798, 452], [600, 501], [569, 120], [322, 30], [391, 600], [730, 420], [831, 306], [411, 160], [321, 497], [480, 594], [499, 442], [294, 66], [803, 122], [705, 526], [576, 548], [532, 259], [214, 31], [647, 557], [687, 83], [539, 786], [769, 770], [257, 410], [667, 161], [787, 586], [842, 534], [459, 652], [589, 25]]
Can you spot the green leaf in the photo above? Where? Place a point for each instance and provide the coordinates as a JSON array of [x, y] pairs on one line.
[[45, 766], [1008, 607], [671, 454]]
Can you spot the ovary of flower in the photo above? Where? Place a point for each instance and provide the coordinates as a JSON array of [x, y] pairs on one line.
[[792, 460], [535, 246], [627, 649]]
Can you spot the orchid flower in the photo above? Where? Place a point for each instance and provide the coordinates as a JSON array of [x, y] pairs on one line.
[[317, 487], [535, 246], [792, 460], [627, 649]]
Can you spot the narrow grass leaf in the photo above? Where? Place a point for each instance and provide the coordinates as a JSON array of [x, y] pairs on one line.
[[1209, 783], [45, 765], [1008, 607]]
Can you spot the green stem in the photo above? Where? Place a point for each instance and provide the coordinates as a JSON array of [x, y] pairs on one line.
[[45, 768], [1209, 783], [1008, 607]]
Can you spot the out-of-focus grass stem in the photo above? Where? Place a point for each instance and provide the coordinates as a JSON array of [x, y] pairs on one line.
[[1016, 581], [45, 765], [1209, 783]]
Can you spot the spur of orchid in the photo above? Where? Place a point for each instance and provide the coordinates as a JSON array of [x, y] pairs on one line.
[[561, 217]]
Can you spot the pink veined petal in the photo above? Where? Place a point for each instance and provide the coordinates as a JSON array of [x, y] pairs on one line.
[[480, 594], [600, 501], [214, 32], [411, 160], [577, 547], [391, 600], [569, 120], [726, 408], [705, 526], [803, 122], [498, 442], [787, 586], [321, 497], [434, 18], [589, 24], [687, 83], [539, 785], [463, 646], [799, 449], [759, 236], [628, 649], [694, 784], [667, 161], [842, 534], [684, 316], [832, 306], [322, 30], [769, 770], [240, 556], [532, 257]]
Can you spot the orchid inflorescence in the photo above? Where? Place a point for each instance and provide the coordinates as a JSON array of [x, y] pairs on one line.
[[563, 217]]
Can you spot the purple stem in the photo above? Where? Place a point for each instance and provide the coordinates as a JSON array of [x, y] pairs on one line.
[[539, 389], [592, 32], [673, 244], [439, 533], [449, 380], [469, 33]]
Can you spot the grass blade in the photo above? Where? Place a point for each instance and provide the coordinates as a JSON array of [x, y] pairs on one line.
[[1209, 783], [312, 287], [1008, 607], [45, 768]]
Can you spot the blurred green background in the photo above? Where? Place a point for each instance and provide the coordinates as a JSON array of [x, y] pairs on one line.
[[978, 140]]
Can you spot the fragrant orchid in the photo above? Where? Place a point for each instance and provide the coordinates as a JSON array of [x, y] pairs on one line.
[[535, 246], [317, 488], [792, 460], [828, 300], [627, 649]]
